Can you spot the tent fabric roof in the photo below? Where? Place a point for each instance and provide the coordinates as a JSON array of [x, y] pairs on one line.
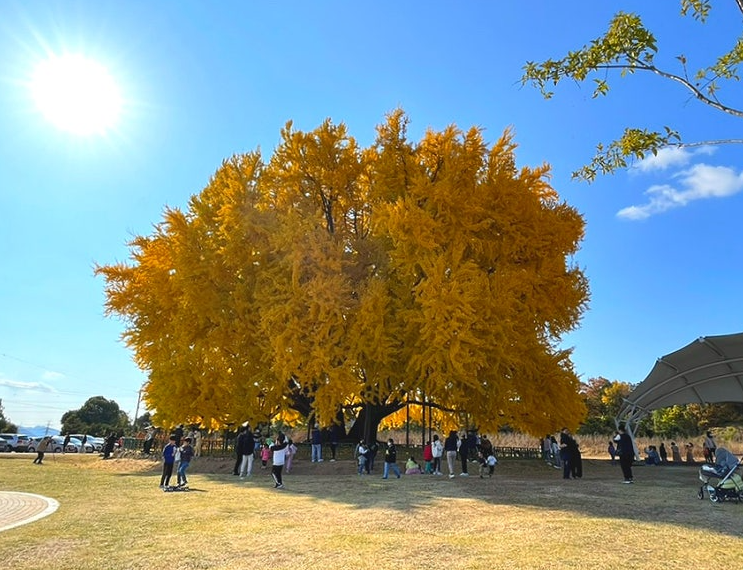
[[709, 370]]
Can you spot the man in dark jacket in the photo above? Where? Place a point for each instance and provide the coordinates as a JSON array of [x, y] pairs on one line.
[[568, 451], [239, 449], [450, 449], [626, 454], [390, 460]]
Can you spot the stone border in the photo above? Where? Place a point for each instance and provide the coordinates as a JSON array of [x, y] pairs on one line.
[[17, 509]]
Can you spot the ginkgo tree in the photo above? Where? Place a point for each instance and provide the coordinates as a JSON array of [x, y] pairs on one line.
[[628, 47], [333, 281]]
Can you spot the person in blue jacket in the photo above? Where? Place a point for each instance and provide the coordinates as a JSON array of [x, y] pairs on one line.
[[168, 462]]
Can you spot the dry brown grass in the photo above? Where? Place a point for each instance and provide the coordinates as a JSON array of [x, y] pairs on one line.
[[113, 516]]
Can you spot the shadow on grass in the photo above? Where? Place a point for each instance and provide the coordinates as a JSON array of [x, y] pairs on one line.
[[662, 494]]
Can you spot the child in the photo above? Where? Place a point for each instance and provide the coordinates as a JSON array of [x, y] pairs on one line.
[[492, 462], [279, 457], [612, 452], [361, 456], [168, 461], [291, 451], [186, 456], [428, 457], [265, 454], [412, 467], [483, 462]]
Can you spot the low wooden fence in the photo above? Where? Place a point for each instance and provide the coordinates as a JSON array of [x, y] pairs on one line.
[[221, 447]]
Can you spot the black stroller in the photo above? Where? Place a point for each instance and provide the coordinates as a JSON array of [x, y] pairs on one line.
[[721, 480]]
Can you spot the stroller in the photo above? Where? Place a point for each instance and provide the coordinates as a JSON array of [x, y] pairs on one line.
[[721, 481]]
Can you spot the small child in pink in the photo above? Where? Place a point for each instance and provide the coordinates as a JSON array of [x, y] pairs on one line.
[[291, 451], [265, 455]]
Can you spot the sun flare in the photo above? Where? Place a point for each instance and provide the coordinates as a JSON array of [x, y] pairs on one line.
[[76, 94]]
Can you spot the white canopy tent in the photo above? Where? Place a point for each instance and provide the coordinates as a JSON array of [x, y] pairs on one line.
[[709, 370]]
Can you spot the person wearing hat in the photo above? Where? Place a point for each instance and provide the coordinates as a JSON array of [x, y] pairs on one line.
[[149, 439]]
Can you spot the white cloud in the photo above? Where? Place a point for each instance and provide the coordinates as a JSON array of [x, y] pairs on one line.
[[29, 386], [670, 157], [699, 182], [52, 376]]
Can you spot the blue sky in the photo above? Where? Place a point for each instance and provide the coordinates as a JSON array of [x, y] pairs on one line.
[[202, 81]]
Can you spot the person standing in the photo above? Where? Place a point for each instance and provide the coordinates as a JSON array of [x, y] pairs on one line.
[[437, 451], [626, 451], [246, 448], [464, 444], [316, 440], [567, 443], [149, 439], [186, 456], [41, 449], [675, 452], [238, 450], [663, 453], [178, 432], [108, 447], [197, 443], [450, 448], [546, 448], [291, 451], [428, 458], [278, 459], [390, 460], [690, 453], [168, 462], [486, 446], [66, 442], [555, 453], [710, 447], [361, 454]]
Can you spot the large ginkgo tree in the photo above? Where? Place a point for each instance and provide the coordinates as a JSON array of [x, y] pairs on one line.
[[334, 281]]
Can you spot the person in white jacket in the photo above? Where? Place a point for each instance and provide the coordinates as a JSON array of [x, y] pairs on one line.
[[437, 451]]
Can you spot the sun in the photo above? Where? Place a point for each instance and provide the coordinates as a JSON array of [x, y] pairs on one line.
[[76, 94]]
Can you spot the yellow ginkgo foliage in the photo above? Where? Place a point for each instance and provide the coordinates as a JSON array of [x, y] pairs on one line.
[[336, 280]]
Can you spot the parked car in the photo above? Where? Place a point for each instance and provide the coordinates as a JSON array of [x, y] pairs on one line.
[[56, 445], [79, 447], [4, 445], [16, 441], [91, 443]]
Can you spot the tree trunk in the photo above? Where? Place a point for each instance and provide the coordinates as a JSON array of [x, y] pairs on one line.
[[367, 421]]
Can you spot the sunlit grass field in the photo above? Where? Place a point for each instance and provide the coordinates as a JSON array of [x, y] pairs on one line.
[[113, 516]]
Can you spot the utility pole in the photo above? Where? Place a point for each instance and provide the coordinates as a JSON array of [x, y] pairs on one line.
[[136, 412]]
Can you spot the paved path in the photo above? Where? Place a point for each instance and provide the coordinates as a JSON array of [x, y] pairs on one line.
[[21, 508]]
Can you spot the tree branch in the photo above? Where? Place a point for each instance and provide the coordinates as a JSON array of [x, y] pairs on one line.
[[690, 86]]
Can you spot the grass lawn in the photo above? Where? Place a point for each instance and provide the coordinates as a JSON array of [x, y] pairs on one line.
[[113, 516]]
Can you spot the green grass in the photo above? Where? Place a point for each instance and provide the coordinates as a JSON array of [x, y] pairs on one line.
[[113, 516]]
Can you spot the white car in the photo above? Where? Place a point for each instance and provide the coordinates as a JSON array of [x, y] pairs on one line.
[[53, 447], [56, 445], [16, 441], [91, 443], [89, 448]]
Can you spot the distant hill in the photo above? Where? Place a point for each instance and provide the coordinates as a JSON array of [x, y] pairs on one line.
[[37, 431]]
